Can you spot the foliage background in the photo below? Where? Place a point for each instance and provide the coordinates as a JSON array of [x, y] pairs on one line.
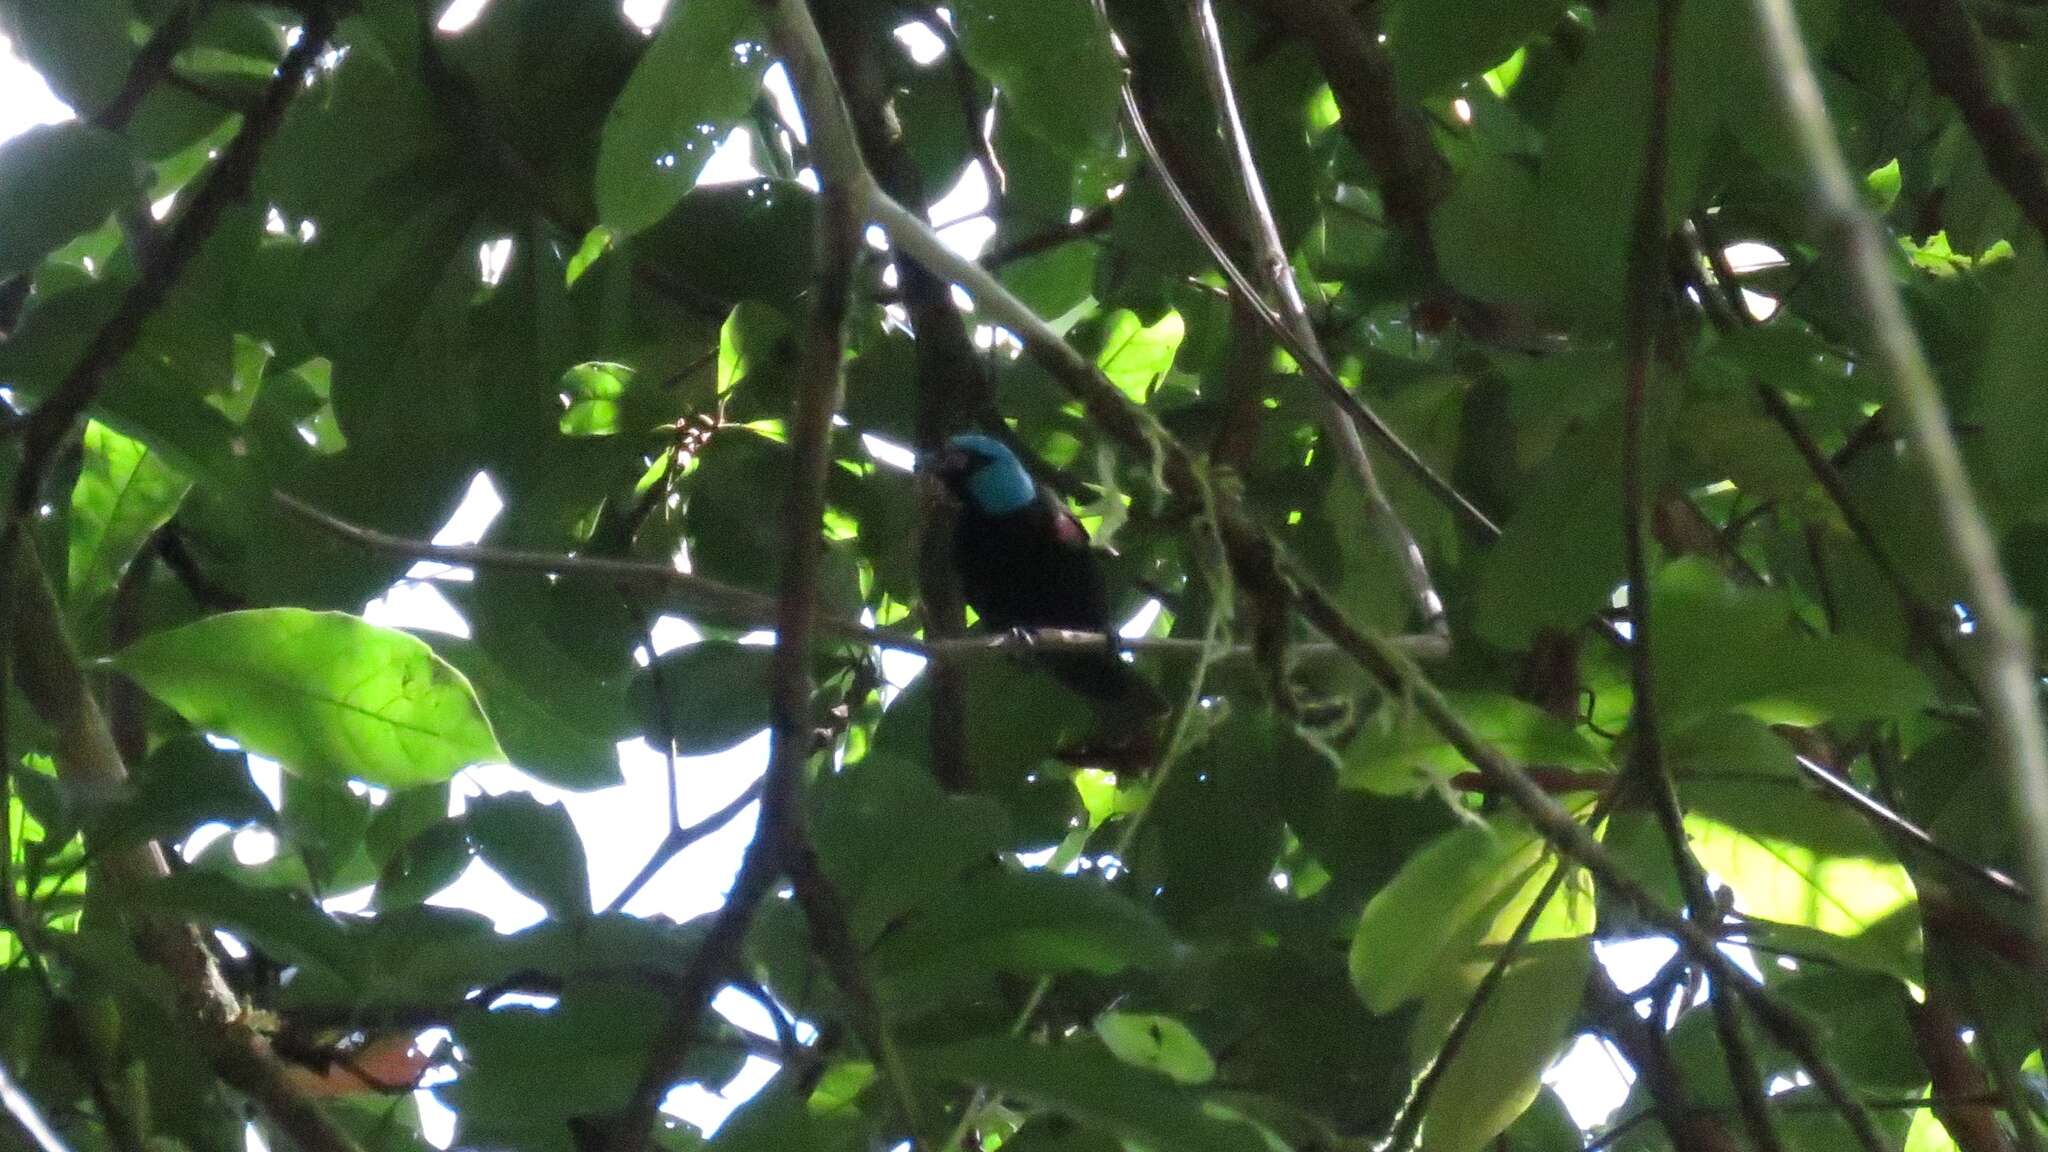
[[512, 247]]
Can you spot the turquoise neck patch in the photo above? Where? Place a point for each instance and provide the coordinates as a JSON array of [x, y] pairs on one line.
[[999, 484]]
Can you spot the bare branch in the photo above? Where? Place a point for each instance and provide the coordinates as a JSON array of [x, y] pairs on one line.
[[1643, 323], [47, 670], [1959, 65], [780, 839], [753, 609], [1273, 261], [151, 64], [2010, 685]]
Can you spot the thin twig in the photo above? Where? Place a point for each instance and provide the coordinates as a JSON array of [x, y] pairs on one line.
[[1264, 236], [1311, 365], [754, 609], [1643, 322], [680, 838], [2011, 687]]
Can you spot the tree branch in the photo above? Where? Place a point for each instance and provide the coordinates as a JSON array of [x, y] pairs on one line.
[[780, 842], [47, 670], [151, 64], [1264, 237], [1393, 139], [2011, 686], [1306, 357], [50, 426], [1643, 322], [1959, 65], [748, 608], [27, 1117]]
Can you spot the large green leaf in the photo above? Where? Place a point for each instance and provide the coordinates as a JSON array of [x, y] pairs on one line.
[[327, 694], [697, 79], [1469, 885], [1434, 42], [55, 182], [534, 846], [1722, 648], [124, 493], [1029, 923], [1052, 61], [1498, 1071], [1089, 1085], [706, 696], [1400, 752]]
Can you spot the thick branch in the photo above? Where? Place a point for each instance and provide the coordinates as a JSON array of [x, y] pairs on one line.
[[2010, 687], [1960, 67], [1393, 138], [47, 670]]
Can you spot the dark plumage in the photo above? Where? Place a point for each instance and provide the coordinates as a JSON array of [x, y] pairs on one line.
[[1025, 562]]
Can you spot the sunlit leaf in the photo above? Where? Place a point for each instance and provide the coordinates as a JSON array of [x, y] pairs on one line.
[[696, 80], [123, 495], [324, 693]]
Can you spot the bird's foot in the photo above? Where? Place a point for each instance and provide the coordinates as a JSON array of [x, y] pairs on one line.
[[1021, 637]]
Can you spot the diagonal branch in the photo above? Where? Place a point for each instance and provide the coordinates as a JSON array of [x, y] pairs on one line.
[[1261, 569], [46, 666], [1264, 235], [780, 844], [1960, 66], [1643, 322], [50, 426], [2010, 685]]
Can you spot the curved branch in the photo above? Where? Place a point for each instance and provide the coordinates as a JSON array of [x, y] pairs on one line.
[[2010, 685]]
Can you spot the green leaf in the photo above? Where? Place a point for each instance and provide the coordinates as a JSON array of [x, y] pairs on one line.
[[1028, 923], [707, 696], [1052, 61], [1471, 884], [1721, 648], [1135, 356], [123, 495], [1160, 1043], [1137, 1106], [565, 729], [326, 694], [891, 840], [1435, 42], [1498, 1071], [1795, 858], [57, 181], [695, 82], [1400, 752], [595, 392], [287, 925], [535, 847]]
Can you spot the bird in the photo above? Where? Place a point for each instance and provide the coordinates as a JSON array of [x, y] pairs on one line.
[[1025, 562]]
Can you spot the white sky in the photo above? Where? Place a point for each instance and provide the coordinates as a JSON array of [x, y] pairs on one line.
[[622, 825]]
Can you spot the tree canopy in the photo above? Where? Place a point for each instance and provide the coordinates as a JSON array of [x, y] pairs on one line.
[[1573, 468]]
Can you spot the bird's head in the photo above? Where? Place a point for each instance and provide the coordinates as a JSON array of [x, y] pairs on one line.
[[982, 471]]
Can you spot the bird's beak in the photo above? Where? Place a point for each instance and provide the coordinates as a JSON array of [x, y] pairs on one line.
[[945, 463]]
